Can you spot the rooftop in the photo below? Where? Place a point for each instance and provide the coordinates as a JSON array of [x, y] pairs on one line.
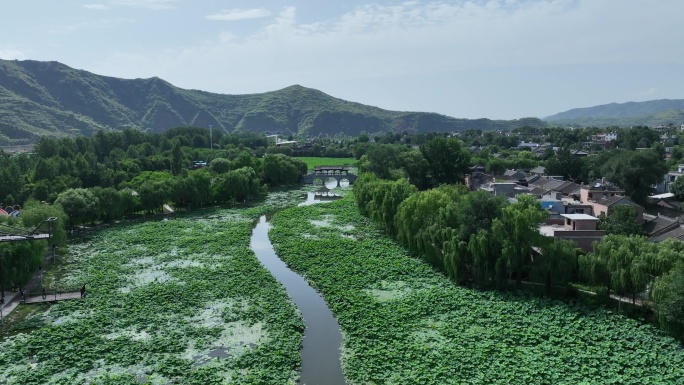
[[617, 200], [579, 217]]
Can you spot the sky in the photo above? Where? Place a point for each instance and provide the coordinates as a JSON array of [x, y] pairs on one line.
[[497, 59]]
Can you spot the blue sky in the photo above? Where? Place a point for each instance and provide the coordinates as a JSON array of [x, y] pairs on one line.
[[499, 59]]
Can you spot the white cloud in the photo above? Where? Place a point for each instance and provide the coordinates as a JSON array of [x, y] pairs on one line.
[[239, 14], [427, 39], [96, 7], [149, 4], [12, 54], [421, 37]]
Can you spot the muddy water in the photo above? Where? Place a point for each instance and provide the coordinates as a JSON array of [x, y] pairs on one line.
[[322, 337]]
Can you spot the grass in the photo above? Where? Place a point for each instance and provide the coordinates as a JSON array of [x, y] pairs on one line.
[[312, 162]]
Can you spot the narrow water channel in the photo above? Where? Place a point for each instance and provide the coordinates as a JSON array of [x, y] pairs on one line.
[[322, 337]]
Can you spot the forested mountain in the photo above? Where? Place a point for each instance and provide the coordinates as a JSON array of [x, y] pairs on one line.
[[650, 113], [50, 98]]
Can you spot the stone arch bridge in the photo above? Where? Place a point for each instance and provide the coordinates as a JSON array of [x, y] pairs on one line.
[[322, 173]]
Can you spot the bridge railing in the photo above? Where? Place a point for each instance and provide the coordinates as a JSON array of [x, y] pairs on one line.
[[48, 294]]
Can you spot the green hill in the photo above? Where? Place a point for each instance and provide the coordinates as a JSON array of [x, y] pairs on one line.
[[50, 98], [650, 113]]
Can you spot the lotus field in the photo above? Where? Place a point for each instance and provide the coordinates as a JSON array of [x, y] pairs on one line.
[[404, 323], [181, 301]]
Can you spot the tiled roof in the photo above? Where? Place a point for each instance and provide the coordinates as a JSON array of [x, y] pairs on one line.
[[677, 233], [568, 188], [655, 225], [599, 185], [532, 178], [618, 200], [537, 191], [515, 172]]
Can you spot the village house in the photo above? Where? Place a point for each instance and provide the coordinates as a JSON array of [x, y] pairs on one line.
[[539, 170], [670, 177], [599, 190], [579, 228]]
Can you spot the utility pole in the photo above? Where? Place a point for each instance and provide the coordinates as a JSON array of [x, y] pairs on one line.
[[211, 139]]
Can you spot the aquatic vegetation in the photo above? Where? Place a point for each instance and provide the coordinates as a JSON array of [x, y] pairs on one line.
[[405, 323], [182, 300]]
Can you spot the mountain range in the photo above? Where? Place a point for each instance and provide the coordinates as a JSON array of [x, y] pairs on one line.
[[650, 113], [49, 98]]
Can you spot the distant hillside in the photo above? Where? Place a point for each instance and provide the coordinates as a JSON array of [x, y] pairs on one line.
[[50, 98], [650, 113]]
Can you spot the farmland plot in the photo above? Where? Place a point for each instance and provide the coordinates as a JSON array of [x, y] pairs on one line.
[[180, 301], [404, 323]]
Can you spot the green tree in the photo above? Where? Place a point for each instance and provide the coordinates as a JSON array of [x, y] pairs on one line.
[[635, 171], [567, 165], [555, 264], [380, 159], [518, 232], [621, 220], [448, 161], [621, 263], [668, 295], [417, 217], [677, 188], [176, 159], [279, 169], [219, 165], [34, 213], [111, 203], [237, 186], [79, 204], [415, 166], [496, 166]]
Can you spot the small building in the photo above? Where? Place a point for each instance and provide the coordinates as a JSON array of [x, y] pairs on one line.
[[660, 227], [604, 206], [501, 188], [607, 137], [477, 177], [524, 144], [670, 178], [515, 174], [539, 170], [599, 190], [579, 228], [198, 164]]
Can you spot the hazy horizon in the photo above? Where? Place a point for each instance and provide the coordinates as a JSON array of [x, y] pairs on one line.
[[499, 59]]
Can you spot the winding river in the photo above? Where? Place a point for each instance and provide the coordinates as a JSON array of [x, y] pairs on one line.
[[322, 336]]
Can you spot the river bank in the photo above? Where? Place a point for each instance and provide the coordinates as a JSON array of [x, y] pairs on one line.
[[404, 322], [179, 299]]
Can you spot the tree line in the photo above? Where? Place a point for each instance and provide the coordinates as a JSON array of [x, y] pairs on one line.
[[20, 259], [483, 240], [115, 174]]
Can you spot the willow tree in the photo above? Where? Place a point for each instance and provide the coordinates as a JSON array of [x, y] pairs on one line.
[[518, 232], [397, 193], [593, 267], [483, 249], [417, 218], [668, 295], [621, 263], [363, 191], [555, 264]]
